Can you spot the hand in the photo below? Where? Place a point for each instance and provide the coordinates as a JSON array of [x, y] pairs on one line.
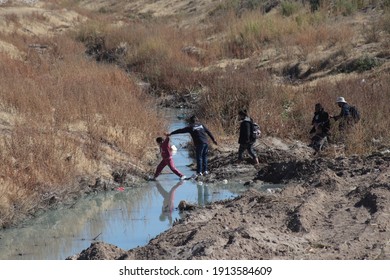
[[167, 134]]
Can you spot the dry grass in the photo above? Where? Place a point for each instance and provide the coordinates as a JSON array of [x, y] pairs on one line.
[[64, 116], [63, 112], [155, 54]]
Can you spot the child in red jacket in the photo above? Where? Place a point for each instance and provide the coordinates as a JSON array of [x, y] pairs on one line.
[[166, 154]]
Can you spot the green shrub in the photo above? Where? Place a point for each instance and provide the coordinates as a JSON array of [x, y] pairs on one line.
[[288, 8]]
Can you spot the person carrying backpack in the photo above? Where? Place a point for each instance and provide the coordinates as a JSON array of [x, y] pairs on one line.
[[246, 139], [347, 116]]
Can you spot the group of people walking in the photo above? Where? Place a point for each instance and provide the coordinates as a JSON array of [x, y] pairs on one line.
[[321, 123], [200, 133]]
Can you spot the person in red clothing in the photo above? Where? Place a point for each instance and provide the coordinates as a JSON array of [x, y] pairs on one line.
[[166, 154]]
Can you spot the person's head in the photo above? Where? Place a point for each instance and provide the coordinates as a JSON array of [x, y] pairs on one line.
[[159, 140], [242, 114], [193, 119], [340, 101], [318, 107]]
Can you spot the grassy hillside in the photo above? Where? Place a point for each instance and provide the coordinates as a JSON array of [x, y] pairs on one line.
[[71, 104], [276, 58]]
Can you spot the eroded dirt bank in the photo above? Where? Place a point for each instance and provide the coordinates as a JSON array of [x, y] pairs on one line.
[[333, 207]]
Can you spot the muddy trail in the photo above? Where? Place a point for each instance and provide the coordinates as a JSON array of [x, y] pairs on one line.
[[330, 207]]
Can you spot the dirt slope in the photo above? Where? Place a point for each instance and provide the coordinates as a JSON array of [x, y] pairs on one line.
[[330, 209]]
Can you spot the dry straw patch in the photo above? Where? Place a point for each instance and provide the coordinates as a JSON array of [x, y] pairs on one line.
[[50, 94]]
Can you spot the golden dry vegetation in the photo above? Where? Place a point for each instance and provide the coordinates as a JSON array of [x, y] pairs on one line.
[[71, 105]]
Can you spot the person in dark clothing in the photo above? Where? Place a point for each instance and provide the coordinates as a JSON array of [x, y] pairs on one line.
[[245, 137], [343, 117], [321, 128], [199, 133]]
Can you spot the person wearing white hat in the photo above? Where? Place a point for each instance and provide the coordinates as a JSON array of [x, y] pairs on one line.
[[344, 115]]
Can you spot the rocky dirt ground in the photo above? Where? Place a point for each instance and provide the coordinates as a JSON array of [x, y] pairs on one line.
[[332, 207]]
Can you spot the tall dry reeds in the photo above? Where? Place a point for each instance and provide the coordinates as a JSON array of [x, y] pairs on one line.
[[154, 52], [61, 113]]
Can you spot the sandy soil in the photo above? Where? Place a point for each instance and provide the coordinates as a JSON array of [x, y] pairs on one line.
[[332, 207]]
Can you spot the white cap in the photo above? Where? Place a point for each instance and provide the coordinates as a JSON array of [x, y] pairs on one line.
[[341, 100]]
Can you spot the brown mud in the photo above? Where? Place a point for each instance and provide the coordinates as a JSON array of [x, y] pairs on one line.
[[332, 207]]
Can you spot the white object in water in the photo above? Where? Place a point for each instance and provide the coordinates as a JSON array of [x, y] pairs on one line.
[[173, 148]]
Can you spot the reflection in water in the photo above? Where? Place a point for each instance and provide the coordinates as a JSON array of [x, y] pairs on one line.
[[127, 219], [112, 216], [169, 201], [203, 194]]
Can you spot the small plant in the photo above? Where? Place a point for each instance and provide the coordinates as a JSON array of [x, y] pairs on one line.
[[288, 8], [345, 7], [371, 32], [384, 21]]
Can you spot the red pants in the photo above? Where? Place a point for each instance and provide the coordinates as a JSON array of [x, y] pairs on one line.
[[165, 162]]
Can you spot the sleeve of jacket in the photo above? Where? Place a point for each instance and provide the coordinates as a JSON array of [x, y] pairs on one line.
[[181, 130], [209, 133]]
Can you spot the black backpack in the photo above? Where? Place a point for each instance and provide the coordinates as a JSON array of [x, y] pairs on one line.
[[355, 114]]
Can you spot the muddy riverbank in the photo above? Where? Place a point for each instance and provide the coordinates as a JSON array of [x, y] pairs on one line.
[[332, 207]]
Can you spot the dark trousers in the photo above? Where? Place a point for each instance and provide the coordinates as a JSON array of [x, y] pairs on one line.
[[201, 157], [246, 147]]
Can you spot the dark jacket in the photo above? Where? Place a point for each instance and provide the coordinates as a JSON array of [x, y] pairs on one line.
[[321, 119], [344, 117], [245, 131], [198, 133], [344, 113]]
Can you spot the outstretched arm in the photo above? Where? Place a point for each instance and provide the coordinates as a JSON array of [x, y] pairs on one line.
[[179, 131]]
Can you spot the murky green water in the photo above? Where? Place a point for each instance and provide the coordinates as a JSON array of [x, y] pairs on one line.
[[126, 218]]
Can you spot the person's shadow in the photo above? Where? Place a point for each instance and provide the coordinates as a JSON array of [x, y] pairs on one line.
[[168, 202]]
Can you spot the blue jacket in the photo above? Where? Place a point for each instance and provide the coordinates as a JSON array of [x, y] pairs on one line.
[[344, 112]]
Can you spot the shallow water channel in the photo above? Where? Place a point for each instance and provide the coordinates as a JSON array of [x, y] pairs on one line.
[[126, 218]]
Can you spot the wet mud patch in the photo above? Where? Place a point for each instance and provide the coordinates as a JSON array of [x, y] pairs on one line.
[[282, 172]]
